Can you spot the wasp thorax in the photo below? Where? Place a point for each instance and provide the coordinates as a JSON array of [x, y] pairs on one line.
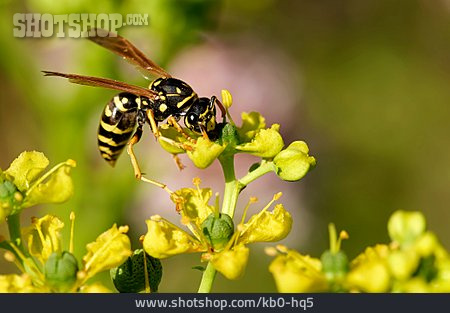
[[174, 96]]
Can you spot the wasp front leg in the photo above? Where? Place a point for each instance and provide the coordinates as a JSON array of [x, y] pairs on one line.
[[173, 122], [158, 136]]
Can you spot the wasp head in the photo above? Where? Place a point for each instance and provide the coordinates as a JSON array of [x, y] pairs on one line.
[[201, 116]]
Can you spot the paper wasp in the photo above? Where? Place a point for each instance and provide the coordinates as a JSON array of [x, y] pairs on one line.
[[125, 114]]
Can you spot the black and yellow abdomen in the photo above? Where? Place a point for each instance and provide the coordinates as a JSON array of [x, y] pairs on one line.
[[117, 125]]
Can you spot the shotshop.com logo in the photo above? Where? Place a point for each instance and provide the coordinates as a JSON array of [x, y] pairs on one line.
[[72, 25]]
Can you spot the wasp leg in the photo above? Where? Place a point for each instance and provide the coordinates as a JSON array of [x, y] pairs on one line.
[[173, 122], [158, 136], [204, 133], [137, 171], [178, 162], [153, 125]]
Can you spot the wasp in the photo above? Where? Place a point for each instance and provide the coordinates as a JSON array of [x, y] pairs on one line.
[[166, 98]]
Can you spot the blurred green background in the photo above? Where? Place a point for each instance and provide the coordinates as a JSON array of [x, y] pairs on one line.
[[365, 83]]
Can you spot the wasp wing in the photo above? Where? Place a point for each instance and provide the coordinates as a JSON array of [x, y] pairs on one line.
[[128, 51], [105, 83]]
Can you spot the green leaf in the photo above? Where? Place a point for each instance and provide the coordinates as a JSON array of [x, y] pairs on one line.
[[26, 167], [294, 162], [266, 143], [130, 276]]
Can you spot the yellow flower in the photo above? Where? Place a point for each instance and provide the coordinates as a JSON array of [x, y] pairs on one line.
[[13, 283], [369, 272], [22, 185], [231, 262], [294, 272], [51, 269], [43, 237], [212, 233]]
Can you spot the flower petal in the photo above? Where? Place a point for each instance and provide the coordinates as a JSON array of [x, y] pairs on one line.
[[294, 162], [163, 239], [109, 250], [294, 272], [266, 143], [14, 283], [251, 123], [205, 152], [171, 133], [43, 237], [405, 227], [194, 205], [231, 263], [94, 288], [267, 226], [371, 276], [55, 188], [26, 167]]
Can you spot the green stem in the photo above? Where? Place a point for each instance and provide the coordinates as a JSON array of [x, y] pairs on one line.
[[14, 231], [207, 279], [264, 168], [230, 197], [232, 186]]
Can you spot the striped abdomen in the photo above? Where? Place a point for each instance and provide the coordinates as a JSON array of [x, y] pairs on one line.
[[117, 125]]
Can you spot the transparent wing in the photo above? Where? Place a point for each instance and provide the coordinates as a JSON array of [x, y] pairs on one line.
[[105, 83], [128, 51]]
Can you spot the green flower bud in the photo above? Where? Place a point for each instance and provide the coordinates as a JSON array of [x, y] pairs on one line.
[[61, 271], [334, 265], [405, 227], [266, 143], [294, 162], [229, 135], [130, 276], [218, 230]]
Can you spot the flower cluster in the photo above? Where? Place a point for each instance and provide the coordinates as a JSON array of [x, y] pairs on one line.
[[37, 250], [212, 230], [414, 261], [46, 267], [24, 185], [252, 137], [213, 233]]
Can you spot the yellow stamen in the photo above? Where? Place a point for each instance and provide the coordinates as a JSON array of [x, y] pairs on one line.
[[271, 251], [282, 248], [72, 226], [9, 256]]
